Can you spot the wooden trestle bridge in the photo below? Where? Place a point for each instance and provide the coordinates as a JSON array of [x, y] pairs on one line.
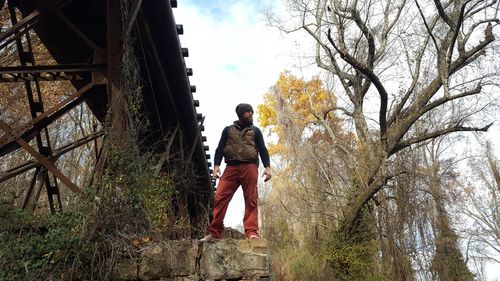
[[85, 39]]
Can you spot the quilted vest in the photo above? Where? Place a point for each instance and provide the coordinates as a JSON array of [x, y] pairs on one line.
[[240, 145]]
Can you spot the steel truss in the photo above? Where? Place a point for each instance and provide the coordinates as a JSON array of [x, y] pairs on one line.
[[30, 74], [93, 67]]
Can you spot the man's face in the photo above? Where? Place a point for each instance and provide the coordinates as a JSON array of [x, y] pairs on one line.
[[248, 117]]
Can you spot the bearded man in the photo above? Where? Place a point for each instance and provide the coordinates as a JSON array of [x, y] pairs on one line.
[[241, 144]]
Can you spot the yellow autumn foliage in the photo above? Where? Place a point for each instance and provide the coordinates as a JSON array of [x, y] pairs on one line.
[[306, 103]]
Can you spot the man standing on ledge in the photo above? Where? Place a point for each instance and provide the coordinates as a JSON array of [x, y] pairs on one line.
[[240, 144]]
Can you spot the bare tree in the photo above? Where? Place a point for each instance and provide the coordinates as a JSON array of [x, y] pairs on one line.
[[447, 262], [480, 207], [407, 62]]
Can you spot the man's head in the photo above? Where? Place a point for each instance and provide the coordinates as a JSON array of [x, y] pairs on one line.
[[245, 113]]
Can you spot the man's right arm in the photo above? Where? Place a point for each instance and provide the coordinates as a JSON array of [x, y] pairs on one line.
[[219, 152]]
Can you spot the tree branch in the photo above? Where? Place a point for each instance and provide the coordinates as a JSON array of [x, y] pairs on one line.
[[458, 128], [429, 31], [345, 111], [445, 99], [443, 14], [456, 29], [373, 78], [415, 76], [472, 54], [475, 25]]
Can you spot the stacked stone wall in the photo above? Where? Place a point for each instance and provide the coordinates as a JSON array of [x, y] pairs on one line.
[[226, 259]]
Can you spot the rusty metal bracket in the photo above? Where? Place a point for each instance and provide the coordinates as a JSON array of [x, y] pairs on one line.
[[47, 72]]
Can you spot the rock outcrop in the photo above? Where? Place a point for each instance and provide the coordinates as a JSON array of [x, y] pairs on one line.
[[226, 259]]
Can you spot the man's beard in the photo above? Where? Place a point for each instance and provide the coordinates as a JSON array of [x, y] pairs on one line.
[[246, 120]]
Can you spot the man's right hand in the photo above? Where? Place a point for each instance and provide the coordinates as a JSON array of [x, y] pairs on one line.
[[216, 171]]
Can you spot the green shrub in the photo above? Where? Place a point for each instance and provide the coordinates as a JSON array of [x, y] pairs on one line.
[[306, 265], [352, 253], [155, 199], [34, 246], [351, 260]]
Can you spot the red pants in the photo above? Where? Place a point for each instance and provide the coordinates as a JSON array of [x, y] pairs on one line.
[[245, 175]]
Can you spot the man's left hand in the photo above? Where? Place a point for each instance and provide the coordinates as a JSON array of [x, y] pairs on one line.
[[267, 174]]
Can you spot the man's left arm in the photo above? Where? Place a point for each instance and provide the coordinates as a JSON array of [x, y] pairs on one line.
[[264, 154]]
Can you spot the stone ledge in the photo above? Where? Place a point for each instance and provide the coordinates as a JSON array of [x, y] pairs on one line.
[[190, 260], [234, 259]]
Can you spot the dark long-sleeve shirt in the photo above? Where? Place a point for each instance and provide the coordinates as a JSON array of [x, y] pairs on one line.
[[259, 142]]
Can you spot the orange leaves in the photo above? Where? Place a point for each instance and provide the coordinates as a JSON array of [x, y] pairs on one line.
[[141, 241]]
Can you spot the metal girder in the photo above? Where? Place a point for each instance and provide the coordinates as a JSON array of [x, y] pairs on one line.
[[166, 155], [46, 117], [78, 31], [193, 147], [16, 31], [26, 166], [136, 5], [42, 159], [47, 72], [27, 23], [115, 45], [35, 101], [156, 58]]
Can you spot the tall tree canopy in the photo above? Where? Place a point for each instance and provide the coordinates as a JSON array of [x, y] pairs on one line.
[[405, 75], [407, 59]]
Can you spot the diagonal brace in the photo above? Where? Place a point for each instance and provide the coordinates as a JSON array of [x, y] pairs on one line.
[[27, 23], [43, 160], [60, 108], [31, 164]]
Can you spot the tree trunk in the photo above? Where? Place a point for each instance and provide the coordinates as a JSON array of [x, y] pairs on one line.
[[448, 263]]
